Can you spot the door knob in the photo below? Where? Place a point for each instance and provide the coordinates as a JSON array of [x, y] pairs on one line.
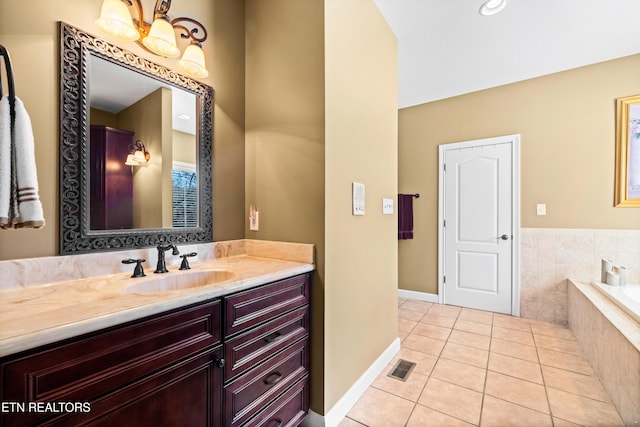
[[504, 237]]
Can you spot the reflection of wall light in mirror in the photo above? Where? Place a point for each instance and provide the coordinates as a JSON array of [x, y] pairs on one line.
[[138, 155], [491, 7], [184, 116], [158, 38], [114, 165]]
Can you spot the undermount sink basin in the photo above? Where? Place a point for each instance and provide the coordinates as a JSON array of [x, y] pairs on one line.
[[177, 280]]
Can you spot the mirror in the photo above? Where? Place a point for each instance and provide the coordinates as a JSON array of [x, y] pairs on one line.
[[627, 184], [113, 102]]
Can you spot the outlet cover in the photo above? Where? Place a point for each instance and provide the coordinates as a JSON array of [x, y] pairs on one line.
[[541, 209], [358, 198]]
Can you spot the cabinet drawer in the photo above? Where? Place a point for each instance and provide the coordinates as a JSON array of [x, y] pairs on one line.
[[93, 365], [250, 308], [288, 410], [252, 391], [253, 347]]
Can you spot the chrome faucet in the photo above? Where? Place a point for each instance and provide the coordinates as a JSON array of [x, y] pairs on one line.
[[161, 267]]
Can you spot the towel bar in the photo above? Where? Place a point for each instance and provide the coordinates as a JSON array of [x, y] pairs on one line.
[[12, 92]]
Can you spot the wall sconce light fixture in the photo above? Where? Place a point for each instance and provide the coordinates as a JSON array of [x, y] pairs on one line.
[[491, 7], [160, 37], [138, 155]]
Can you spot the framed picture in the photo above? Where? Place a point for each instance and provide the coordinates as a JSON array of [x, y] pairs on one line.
[[627, 185]]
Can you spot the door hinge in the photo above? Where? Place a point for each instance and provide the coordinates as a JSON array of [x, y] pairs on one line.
[[444, 223], [445, 166], [444, 279]]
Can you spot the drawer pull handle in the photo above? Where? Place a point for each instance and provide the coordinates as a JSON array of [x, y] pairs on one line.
[[220, 363], [273, 337], [272, 378]]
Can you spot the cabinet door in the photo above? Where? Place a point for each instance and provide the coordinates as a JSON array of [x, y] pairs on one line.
[[182, 395], [88, 368]]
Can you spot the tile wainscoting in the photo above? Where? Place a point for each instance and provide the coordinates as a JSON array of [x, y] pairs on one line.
[[550, 256]]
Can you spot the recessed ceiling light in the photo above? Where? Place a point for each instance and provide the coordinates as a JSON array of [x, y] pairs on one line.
[[491, 7], [183, 117]]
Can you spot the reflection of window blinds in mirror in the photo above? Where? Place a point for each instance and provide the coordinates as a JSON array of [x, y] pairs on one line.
[[185, 195]]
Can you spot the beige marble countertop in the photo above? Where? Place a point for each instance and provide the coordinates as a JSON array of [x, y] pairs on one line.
[[36, 315]]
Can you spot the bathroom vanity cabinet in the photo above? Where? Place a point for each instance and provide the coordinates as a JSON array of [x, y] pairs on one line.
[[238, 360]]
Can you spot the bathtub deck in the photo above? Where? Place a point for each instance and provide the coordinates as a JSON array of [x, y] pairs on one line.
[[610, 339]]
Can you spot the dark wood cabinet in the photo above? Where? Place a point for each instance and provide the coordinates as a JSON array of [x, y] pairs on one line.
[[111, 182], [186, 393], [266, 351], [140, 369], [174, 369]]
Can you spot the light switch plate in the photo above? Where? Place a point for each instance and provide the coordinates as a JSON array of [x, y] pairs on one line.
[[358, 198], [387, 206], [541, 209]]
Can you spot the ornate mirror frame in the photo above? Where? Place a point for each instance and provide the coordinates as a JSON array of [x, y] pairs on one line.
[[75, 233]]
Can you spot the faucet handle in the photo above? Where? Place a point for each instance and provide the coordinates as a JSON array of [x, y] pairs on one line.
[[138, 271], [185, 263]]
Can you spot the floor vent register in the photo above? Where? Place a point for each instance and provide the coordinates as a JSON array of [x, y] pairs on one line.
[[401, 370]]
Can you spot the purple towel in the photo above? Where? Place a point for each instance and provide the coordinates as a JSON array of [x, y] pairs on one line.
[[405, 216]]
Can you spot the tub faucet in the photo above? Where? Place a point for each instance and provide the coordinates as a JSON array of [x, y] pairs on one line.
[[161, 267]]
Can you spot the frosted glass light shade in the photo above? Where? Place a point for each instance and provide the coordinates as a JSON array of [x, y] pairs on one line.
[[491, 7], [162, 39], [139, 157], [115, 19], [131, 161], [192, 62]]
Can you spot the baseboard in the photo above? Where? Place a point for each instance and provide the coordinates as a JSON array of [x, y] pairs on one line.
[[421, 296], [346, 402], [313, 419]]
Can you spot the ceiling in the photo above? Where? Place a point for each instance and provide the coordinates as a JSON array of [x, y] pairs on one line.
[[446, 48], [113, 88]]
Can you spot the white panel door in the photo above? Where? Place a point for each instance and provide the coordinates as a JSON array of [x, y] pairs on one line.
[[478, 227]]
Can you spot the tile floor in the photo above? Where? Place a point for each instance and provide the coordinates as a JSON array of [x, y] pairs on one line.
[[482, 368]]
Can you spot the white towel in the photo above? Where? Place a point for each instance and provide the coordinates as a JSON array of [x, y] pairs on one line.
[[5, 162], [20, 205], [30, 213]]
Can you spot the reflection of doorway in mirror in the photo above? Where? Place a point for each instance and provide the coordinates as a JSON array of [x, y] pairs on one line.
[[633, 180], [184, 195], [111, 181]]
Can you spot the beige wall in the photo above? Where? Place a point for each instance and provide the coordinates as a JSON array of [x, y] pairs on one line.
[[148, 182], [566, 121], [285, 138], [361, 137], [32, 40], [226, 62], [184, 147], [309, 113]]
